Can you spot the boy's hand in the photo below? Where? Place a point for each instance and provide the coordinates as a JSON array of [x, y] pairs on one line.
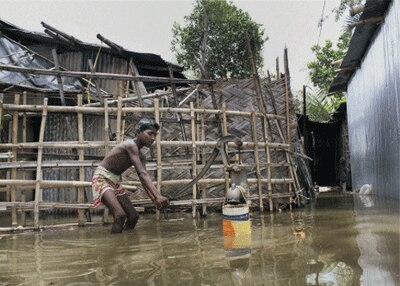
[[161, 202]]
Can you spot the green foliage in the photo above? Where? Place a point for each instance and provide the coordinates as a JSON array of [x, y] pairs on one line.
[[322, 73], [319, 105], [214, 34], [321, 70]]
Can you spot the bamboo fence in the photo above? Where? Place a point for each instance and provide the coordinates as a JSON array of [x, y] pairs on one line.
[[191, 122]]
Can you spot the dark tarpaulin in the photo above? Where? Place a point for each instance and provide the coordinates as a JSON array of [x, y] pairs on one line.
[[15, 55], [322, 146]]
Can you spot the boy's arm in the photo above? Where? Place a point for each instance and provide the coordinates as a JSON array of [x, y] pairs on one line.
[[134, 154]]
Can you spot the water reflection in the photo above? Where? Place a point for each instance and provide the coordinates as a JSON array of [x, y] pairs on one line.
[[378, 223], [337, 241], [238, 253]]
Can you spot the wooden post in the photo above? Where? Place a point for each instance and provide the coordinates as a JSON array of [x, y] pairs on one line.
[[81, 155], [158, 149], [194, 155], [257, 160], [38, 189], [14, 159]]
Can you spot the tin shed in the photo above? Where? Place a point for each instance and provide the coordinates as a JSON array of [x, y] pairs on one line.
[[370, 73]]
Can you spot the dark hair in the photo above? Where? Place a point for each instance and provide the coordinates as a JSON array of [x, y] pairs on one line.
[[146, 123]]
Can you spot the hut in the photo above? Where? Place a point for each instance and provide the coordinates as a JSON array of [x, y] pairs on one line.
[[76, 126], [369, 73]]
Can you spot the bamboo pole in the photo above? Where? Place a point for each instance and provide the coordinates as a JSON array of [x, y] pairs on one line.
[[60, 184], [106, 135], [6, 155], [59, 79], [81, 154], [135, 72], [24, 99], [203, 156], [178, 115], [23, 192], [194, 156], [96, 84], [106, 146], [130, 185], [100, 144], [260, 102], [305, 119], [1, 111], [224, 133], [261, 106], [48, 164], [257, 161], [14, 139], [269, 164], [114, 110], [215, 105], [158, 149], [292, 172], [119, 118], [124, 104], [98, 75], [278, 75], [38, 189], [288, 129], [128, 98], [55, 226]]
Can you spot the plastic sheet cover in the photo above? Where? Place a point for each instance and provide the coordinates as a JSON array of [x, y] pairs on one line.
[[15, 55]]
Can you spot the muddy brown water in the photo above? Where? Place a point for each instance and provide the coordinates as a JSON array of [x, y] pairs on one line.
[[338, 240]]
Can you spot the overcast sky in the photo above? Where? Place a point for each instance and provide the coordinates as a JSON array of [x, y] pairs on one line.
[[145, 26]]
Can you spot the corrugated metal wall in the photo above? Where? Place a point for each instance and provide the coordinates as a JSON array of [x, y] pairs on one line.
[[78, 61], [373, 112], [62, 127]]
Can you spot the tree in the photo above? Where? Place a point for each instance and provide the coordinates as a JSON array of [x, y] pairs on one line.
[[322, 73], [213, 39], [322, 70]]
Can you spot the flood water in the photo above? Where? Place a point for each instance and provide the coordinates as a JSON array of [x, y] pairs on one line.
[[338, 240]]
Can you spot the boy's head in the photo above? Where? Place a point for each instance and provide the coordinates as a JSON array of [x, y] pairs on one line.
[[146, 123]]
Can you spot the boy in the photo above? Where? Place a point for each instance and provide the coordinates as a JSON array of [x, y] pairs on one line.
[[107, 177]]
